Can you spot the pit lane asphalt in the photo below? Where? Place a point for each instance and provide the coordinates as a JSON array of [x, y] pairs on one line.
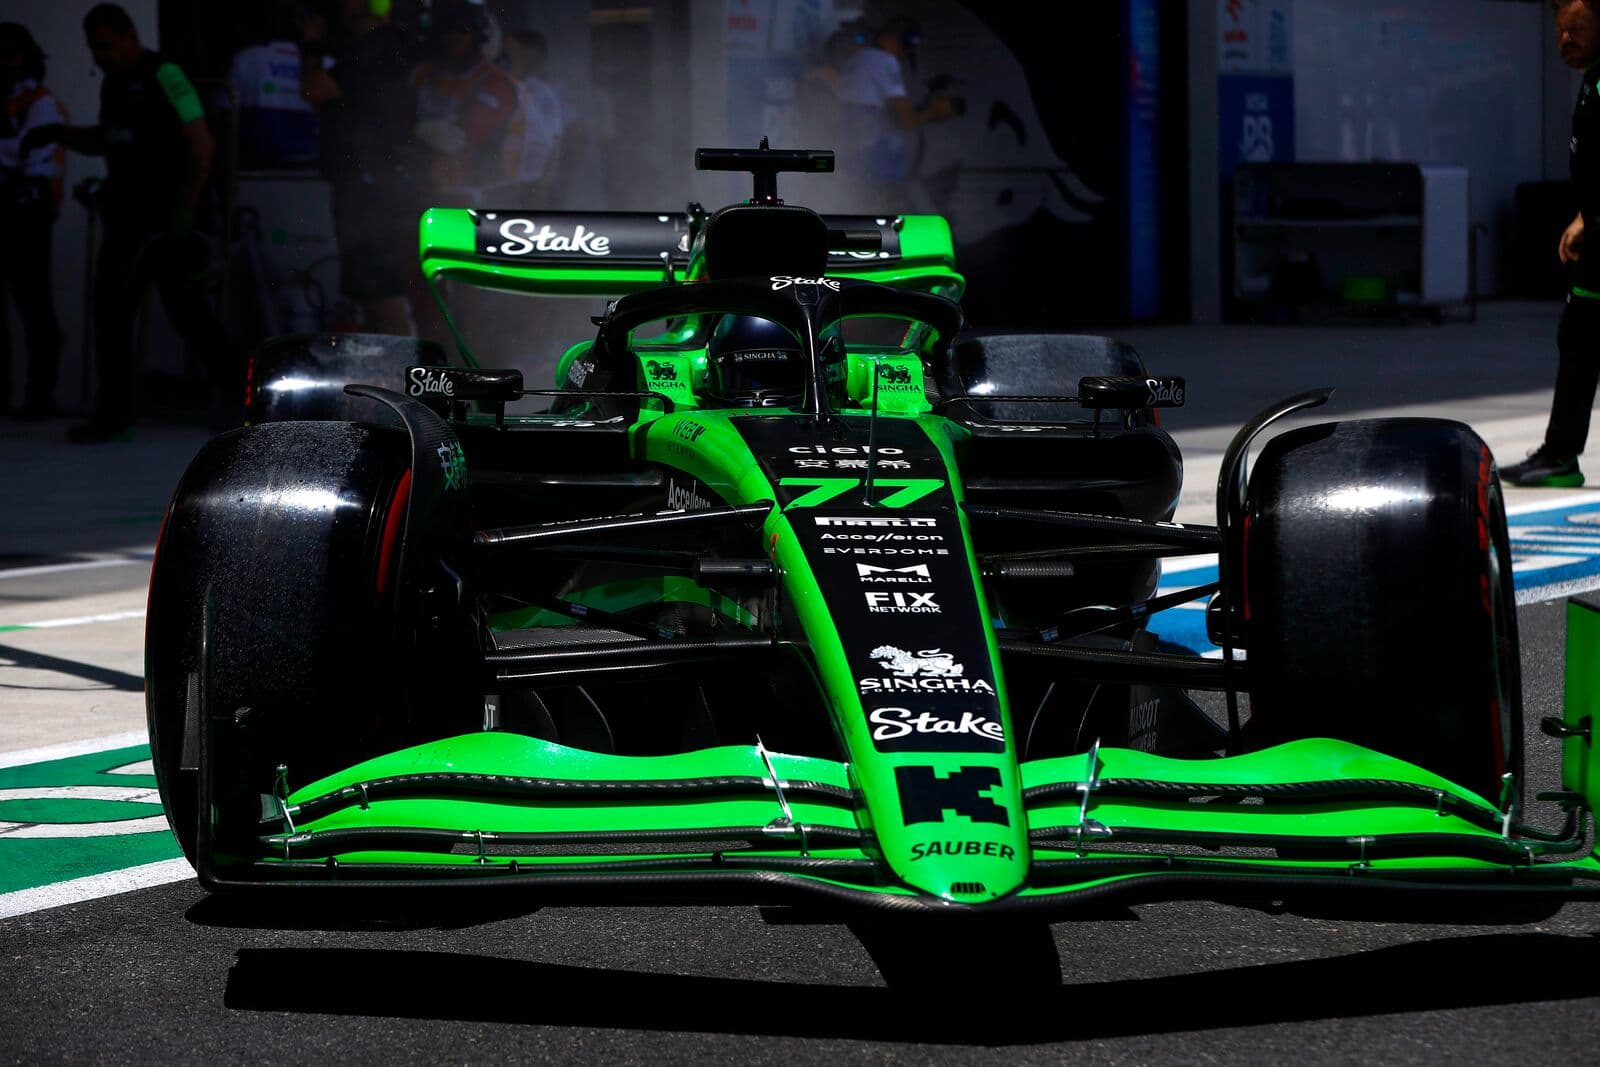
[[165, 974]]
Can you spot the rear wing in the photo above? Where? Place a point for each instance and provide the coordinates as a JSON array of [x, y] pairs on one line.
[[612, 253]]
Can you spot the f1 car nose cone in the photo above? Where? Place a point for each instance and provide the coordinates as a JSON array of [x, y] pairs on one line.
[[962, 833]]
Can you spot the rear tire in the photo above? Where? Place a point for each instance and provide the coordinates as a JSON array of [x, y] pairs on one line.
[[293, 529], [1379, 606]]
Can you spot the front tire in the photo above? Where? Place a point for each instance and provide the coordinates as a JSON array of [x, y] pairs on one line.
[[1379, 606], [285, 537]]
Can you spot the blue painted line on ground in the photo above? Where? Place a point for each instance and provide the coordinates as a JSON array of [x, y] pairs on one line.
[[1555, 552]]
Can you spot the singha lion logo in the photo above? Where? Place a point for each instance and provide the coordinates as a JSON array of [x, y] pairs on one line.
[[928, 663]]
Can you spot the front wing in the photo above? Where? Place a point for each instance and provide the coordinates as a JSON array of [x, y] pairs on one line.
[[742, 824]]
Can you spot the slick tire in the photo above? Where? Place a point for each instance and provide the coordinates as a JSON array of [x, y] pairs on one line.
[[1379, 604], [302, 376], [275, 616]]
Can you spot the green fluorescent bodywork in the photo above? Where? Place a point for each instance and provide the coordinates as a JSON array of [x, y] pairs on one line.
[[1580, 754], [1066, 840], [500, 754], [926, 262], [629, 593]]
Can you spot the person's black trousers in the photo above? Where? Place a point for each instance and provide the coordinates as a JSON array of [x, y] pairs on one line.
[[132, 258], [25, 280]]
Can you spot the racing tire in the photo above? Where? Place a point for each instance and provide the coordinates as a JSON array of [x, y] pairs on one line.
[[1378, 599], [275, 606], [302, 376]]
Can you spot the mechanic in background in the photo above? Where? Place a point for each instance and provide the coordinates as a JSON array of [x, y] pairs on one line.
[[876, 114], [465, 104], [533, 147], [277, 125], [357, 77], [158, 151], [30, 198], [1555, 462]]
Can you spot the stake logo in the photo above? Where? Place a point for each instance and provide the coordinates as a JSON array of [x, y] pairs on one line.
[[519, 238], [783, 281], [902, 603], [425, 380], [916, 574], [891, 724], [1164, 391]]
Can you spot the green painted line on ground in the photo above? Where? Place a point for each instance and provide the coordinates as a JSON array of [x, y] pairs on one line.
[[78, 620], [27, 862]]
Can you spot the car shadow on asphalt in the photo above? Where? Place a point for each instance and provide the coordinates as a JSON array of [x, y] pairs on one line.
[[1448, 973], [10, 656]]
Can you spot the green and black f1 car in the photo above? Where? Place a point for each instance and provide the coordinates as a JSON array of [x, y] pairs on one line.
[[792, 589]]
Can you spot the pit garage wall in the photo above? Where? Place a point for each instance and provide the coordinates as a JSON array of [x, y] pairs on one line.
[[1470, 82], [1063, 178]]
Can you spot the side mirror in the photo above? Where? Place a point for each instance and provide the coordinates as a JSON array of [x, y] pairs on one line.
[[1119, 392], [463, 384]]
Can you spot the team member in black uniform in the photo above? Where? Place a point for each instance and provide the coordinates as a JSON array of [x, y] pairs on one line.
[[362, 91], [158, 151], [1555, 463]]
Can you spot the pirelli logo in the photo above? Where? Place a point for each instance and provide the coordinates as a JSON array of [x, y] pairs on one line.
[[875, 521]]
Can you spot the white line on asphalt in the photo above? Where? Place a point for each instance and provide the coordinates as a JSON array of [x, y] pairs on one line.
[[56, 831], [1557, 590], [22, 901], [81, 565], [130, 793], [68, 749], [75, 620], [1570, 500], [143, 766]]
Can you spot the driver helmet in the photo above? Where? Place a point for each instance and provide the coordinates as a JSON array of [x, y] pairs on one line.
[[754, 362]]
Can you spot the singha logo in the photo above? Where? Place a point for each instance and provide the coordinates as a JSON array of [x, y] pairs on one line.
[[928, 663]]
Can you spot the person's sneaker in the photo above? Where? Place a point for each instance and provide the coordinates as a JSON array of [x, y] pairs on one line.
[[97, 431], [1544, 468]]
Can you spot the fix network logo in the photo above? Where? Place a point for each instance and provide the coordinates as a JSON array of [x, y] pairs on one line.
[[902, 603]]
